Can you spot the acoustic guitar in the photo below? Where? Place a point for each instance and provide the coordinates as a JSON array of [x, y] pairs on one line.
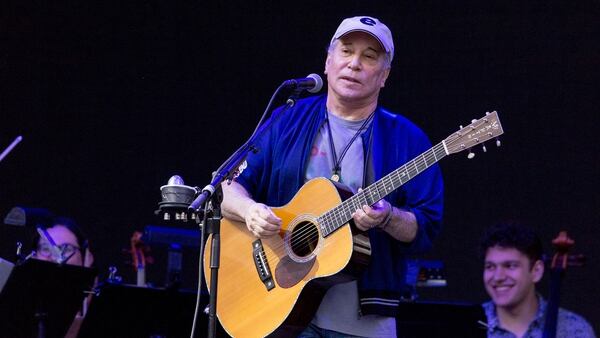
[[273, 286]]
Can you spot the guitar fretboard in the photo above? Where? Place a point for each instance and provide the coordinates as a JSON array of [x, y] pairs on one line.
[[341, 214]]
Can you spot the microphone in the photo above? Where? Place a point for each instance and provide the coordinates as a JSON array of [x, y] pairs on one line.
[[312, 83]]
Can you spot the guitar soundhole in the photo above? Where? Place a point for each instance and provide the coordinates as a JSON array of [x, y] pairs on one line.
[[304, 239]]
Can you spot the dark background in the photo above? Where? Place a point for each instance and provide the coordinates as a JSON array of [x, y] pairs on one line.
[[112, 98]]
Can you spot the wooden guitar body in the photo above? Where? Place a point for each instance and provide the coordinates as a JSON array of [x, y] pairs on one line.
[[245, 305]]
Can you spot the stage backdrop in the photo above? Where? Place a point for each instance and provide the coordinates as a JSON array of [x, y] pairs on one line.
[[113, 98]]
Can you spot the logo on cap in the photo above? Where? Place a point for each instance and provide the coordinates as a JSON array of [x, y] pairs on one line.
[[368, 21]]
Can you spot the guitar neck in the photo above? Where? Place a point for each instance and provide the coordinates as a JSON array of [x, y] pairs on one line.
[[342, 214]]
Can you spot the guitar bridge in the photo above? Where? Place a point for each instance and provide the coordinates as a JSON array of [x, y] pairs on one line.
[[262, 265]]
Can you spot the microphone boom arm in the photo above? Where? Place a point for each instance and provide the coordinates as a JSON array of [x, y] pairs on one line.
[[227, 170]]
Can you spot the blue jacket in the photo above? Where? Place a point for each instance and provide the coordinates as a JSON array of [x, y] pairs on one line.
[[275, 174]]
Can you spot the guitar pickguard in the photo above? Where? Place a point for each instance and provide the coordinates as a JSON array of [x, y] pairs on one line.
[[289, 272]]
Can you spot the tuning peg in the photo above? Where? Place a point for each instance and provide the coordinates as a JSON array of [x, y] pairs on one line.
[[498, 142], [471, 154], [473, 120], [484, 148]]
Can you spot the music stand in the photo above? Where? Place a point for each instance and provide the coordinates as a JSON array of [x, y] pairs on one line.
[[40, 299], [120, 310], [423, 319]]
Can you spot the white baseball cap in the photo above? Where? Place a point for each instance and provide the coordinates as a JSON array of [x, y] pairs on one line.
[[368, 25]]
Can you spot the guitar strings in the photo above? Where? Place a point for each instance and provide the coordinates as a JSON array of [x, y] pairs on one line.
[[341, 214]]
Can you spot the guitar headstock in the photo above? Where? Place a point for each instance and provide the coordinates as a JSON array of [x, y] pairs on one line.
[[477, 132]]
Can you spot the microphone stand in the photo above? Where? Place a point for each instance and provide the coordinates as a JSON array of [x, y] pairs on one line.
[[212, 195], [212, 226], [40, 313]]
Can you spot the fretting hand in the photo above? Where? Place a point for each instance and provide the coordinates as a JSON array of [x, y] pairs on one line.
[[368, 217]]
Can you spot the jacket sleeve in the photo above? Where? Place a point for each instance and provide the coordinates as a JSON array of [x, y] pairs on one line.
[[423, 195], [255, 177], [425, 199]]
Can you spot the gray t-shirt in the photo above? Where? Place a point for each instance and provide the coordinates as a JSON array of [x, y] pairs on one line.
[[339, 309], [321, 163]]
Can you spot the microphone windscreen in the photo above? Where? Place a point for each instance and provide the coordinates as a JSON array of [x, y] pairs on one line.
[[318, 83]]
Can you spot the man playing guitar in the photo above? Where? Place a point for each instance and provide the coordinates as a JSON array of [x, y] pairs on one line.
[[348, 137]]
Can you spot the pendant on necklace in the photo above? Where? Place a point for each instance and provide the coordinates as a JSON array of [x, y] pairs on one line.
[[335, 177]]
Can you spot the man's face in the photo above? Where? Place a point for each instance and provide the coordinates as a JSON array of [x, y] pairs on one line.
[[509, 276], [356, 68], [66, 242]]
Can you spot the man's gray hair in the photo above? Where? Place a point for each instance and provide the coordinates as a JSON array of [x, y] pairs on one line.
[[387, 60]]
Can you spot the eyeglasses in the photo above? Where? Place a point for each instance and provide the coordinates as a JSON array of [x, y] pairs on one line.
[[66, 250]]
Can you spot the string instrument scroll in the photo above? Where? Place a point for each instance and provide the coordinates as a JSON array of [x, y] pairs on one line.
[[139, 257], [560, 262]]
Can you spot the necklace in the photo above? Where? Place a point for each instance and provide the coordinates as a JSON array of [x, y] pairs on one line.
[[337, 163]]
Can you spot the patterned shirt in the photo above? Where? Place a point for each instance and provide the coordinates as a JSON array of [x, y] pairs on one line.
[[569, 324]]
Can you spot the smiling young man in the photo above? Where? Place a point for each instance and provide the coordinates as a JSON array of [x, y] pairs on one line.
[[512, 266], [347, 136]]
